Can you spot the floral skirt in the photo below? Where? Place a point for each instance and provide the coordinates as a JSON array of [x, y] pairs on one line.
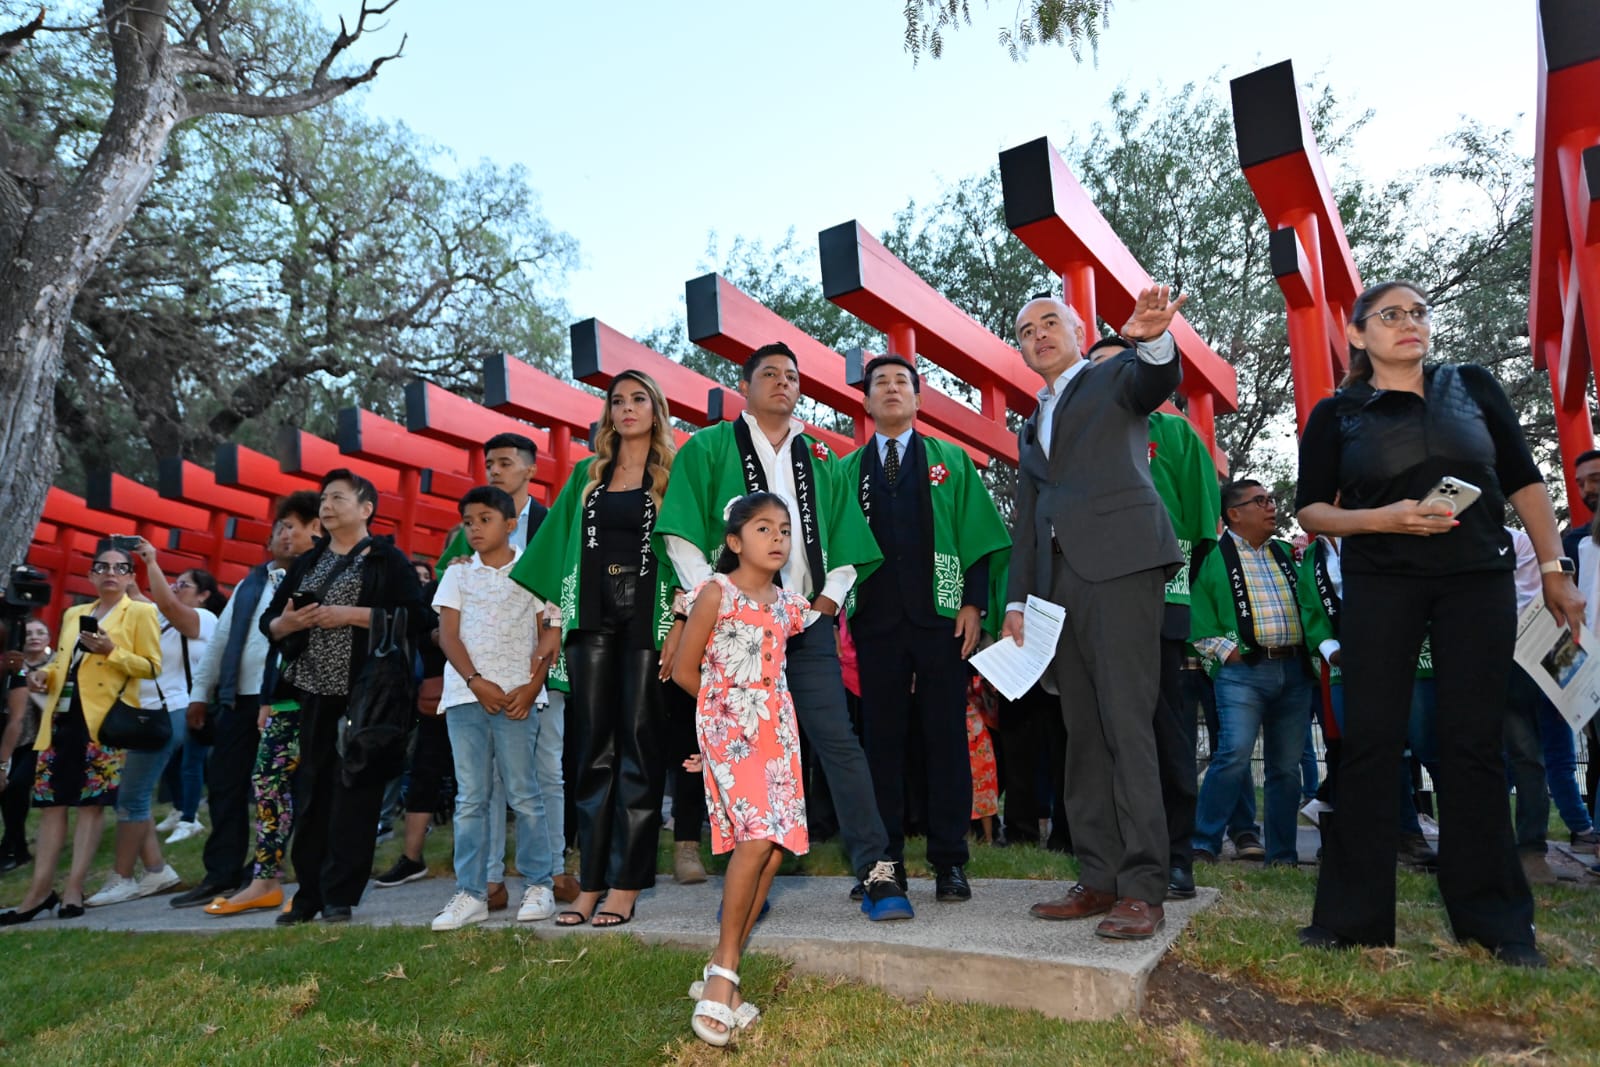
[[75, 772]]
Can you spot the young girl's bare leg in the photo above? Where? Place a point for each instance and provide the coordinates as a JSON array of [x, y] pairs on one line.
[[744, 886]]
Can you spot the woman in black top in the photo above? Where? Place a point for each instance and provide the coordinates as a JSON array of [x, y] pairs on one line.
[[1378, 445], [592, 557], [349, 573]]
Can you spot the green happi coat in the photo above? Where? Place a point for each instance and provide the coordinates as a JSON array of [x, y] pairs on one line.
[[966, 526], [1186, 478], [1213, 612], [552, 567], [708, 473]]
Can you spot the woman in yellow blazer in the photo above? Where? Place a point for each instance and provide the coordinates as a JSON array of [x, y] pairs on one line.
[[91, 669]]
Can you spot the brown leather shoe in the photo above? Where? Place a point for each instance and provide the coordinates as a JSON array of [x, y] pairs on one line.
[[566, 888], [1079, 903], [1131, 920], [497, 896]]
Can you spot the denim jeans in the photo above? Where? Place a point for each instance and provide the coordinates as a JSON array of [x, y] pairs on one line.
[[552, 790], [1561, 768], [141, 773], [1273, 698], [481, 742]]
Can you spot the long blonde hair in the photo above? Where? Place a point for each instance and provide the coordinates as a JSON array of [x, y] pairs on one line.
[[662, 446]]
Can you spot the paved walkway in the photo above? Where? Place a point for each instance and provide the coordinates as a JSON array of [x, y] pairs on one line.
[[988, 950]]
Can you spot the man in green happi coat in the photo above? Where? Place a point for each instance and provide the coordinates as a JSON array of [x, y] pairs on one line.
[[917, 619], [765, 449]]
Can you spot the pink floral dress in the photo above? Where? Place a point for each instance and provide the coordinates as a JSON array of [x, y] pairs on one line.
[[745, 721]]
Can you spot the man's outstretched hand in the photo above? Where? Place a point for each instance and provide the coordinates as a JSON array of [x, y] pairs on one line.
[[1152, 314]]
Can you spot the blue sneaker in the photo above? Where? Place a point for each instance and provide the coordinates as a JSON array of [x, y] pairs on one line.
[[884, 899]]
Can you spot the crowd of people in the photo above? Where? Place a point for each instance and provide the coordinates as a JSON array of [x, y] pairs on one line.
[[785, 635]]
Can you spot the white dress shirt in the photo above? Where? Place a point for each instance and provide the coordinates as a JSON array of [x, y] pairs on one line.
[[252, 659], [902, 442], [692, 566]]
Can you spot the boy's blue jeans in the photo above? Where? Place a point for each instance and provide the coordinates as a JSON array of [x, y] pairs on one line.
[[482, 742]]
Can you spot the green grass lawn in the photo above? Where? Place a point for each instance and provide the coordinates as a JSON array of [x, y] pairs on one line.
[[355, 995]]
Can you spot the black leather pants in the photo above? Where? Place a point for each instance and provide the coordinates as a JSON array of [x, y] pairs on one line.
[[616, 730]]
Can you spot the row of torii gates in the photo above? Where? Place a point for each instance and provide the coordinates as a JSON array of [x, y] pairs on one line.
[[219, 518]]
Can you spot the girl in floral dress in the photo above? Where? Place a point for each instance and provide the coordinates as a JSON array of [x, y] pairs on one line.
[[749, 742]]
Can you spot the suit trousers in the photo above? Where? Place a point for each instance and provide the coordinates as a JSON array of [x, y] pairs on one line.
[[889, 661], [228, 853], [616, 726], [1108, 700], [811, 664], [1472, 620], [336, 825]]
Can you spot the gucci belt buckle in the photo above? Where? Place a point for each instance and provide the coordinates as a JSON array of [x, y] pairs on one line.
[[616, 569]]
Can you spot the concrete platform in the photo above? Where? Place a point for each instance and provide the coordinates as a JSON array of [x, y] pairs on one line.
[[989, 950]]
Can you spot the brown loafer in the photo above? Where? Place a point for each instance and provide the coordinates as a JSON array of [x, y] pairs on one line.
[[497, 896], [566, 888], [1131, 920], [1079, 903]]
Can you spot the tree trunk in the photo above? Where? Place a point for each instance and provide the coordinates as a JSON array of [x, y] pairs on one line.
[[60, 249]]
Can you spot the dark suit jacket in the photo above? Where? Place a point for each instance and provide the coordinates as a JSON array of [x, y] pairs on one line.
[[1094, 489]]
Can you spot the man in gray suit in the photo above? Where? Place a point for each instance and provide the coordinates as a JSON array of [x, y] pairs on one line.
[[1092, 535]]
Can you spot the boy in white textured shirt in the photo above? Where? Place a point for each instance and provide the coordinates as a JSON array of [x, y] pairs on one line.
[[488, 630]]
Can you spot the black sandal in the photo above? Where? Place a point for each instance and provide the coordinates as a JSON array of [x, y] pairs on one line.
[[621, 920], [581, 919]]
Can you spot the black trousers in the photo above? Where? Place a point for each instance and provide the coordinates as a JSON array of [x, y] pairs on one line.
[[1177, 736], [1472, 619], [1032, 754], [688, 790], [616, 727], [335, 825], [889, 661], [431, 785], [230, 852], [14, 802]]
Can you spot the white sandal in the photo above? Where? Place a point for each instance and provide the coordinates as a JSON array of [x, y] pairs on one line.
[[716, 1011], [746, 1013]]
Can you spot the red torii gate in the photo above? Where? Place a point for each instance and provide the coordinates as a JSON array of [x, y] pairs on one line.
[[729, 322], [1564, 297], [599, 353], [1053, 215], [1308, 251]]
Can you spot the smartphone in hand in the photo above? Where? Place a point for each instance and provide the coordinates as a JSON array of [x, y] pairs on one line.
[[88, 625], [1454, 494], [303, 600]]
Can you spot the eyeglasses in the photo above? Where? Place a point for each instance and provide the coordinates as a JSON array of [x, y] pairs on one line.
[[180, 585], [1422, 315], [1262, 501], [111, 568]]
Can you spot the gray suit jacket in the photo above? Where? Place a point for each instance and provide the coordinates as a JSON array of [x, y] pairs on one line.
[[1094, 489]]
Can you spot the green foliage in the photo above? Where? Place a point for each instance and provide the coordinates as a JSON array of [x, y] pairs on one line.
[[1070, 23]]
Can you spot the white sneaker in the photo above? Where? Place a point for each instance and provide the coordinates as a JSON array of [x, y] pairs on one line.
[[116, 890], [170, 823], [185, 830], [538, 902], [464, 909], [157, 881]]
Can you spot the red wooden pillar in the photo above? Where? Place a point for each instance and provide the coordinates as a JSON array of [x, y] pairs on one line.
[[561, 452], [1077, 291]]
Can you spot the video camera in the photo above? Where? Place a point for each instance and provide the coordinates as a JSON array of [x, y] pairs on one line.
[[27, 593]]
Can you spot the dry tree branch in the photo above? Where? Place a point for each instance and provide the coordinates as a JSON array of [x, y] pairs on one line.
[[11, 41]]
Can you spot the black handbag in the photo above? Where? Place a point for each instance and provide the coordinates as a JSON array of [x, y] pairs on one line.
[[135, 729], [372, 734]]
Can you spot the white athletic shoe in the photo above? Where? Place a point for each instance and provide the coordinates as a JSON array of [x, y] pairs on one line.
[[186, 830], [170, 823], [158, 881], [464, 909], [539, 902], [116, 890]]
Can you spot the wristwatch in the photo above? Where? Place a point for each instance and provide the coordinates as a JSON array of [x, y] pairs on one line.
[[1561, 565]]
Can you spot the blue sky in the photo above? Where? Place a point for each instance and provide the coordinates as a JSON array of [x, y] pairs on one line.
[[647, 127]]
